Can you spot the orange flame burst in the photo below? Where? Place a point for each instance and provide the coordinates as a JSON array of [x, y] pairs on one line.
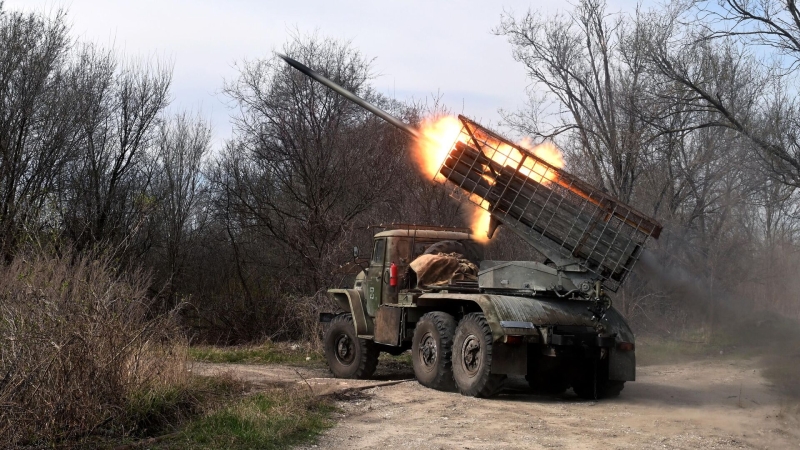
[[480, 220], [546, 151], [438, 138], [440, 135]]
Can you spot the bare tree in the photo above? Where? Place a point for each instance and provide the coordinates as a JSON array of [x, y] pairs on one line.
[[38, 132], [179, 188], [591, 66], [306, 163], [104, 194], [619, 98], [707, 50], [774, 24]]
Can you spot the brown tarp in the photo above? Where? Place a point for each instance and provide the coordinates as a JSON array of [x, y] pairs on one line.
[[443, 268]]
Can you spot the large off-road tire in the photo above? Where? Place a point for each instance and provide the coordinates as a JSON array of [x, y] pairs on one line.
[[347, 355], [587, 388], [431, 350], [472, 358]]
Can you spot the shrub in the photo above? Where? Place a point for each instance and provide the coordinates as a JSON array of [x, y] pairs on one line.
[[77, 346]]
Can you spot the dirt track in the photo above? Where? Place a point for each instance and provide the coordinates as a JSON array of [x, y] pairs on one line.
[[685, 406]]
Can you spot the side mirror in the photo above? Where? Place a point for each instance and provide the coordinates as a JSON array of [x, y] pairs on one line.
[[355, 252]]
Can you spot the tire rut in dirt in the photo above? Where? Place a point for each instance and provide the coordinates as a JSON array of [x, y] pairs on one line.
[[347, 355], [431, 351], [472, 358]]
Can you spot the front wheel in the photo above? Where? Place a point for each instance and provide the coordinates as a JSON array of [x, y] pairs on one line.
[[347, 355], [472, 358]]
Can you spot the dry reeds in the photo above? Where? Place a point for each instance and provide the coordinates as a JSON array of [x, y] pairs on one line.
[[76, 343]]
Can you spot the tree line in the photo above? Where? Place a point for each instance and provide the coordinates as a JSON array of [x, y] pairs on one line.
[[688, 111]]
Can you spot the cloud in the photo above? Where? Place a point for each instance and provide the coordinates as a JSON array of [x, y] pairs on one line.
[[420, 47]]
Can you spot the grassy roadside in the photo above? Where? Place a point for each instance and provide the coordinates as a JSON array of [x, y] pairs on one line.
[[224, 415], [218, 412], [159, 410], [266, 420], [265, 353]]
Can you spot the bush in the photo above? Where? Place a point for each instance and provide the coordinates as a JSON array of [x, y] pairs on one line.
[[77, 347], [232, 319]]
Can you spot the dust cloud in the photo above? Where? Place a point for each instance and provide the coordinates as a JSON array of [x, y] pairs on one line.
[[740, 325]]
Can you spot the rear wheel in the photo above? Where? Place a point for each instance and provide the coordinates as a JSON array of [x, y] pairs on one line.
[[431, 350], [472, 358], [349, 356]]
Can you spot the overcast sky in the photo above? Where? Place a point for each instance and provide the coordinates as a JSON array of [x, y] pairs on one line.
[[421, 47]]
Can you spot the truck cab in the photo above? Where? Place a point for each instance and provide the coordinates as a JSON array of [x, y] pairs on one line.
[[398, 247]]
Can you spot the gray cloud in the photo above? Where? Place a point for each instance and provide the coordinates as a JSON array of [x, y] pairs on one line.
[[421, 47]]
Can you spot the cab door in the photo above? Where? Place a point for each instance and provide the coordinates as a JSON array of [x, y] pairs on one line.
[[398, 252], [375, 278]]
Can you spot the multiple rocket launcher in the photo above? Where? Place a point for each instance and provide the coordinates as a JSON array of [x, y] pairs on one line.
[[568, 220]]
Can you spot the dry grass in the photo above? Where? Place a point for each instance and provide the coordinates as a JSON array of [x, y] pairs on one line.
[[156, 411], [267, 352], [273, 419], [78, 349]]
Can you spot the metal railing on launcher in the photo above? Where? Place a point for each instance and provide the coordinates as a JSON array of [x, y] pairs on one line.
[[544, 204]]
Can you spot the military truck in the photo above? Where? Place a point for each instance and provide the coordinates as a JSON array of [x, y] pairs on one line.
[[551, 320]]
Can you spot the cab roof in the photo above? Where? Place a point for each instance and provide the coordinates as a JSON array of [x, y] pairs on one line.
[[426, 234]]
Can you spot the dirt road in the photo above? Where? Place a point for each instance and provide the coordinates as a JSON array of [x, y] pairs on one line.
[[718, 404]]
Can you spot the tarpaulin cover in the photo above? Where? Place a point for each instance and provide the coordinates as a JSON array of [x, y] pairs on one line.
[[443, 268]]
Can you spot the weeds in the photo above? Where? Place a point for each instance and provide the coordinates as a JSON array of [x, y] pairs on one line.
[[269, 420], [157, 411], [79, 353], [266, 353]]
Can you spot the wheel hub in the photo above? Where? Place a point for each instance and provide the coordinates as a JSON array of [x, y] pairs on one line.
[[428, 350], [471, 354], [345, 350]]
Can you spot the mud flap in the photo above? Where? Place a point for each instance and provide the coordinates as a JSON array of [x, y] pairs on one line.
[[509, 359], [621, 365]]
